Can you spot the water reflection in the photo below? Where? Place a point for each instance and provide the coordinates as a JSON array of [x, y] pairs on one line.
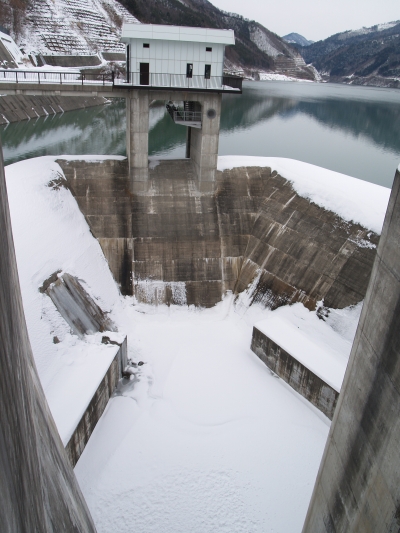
[[349, 129]]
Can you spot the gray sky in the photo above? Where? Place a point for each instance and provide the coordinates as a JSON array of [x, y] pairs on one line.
[[315, 19]]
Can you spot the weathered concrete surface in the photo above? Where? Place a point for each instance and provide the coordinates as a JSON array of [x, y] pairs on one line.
[[69, 61], [174, 242], [358, 484], [38, 489], [102, 190], [17, 108], [98, 403], [203, 144], [74, 304], [299, 377]]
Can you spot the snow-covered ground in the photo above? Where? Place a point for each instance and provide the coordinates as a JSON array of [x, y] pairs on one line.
[[272, 76], [203, 437]]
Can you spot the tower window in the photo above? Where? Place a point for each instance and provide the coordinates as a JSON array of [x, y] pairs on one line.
[[146, 45], [208, 49]]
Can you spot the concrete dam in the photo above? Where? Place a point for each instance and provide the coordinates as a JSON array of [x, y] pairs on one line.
[[181, 232], [172, 243]]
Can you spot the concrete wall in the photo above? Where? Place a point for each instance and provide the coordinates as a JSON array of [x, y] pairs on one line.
[[299, 377], [358, 484], [38, 489], [174, 242], [204, 142], [98, 403], [69, 61], [171, 57], [19, 107], [107, 209]]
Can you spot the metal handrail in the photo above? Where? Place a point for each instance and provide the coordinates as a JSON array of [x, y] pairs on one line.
[[152, 80]]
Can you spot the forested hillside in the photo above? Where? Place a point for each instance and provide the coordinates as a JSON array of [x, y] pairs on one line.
[[369, 56]]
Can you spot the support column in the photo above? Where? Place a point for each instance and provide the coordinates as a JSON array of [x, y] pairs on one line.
[[188, 139], [137, 137], [358, 484], [204, 142]]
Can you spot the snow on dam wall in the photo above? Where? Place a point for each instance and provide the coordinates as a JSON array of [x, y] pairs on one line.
[[38, 489], [358, 484], [172, 243]]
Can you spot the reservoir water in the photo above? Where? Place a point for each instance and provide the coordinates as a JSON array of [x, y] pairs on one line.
[[353, 130]]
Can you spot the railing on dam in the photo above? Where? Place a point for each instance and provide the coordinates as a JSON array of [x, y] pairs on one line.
[[150, 80]]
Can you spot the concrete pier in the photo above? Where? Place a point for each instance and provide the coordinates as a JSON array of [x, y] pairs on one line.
[[358, 484], [38, 489], [203, 148]]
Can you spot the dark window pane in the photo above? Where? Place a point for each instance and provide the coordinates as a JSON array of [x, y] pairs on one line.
[[208, 49], [146, 45], [189, 70], [207, 72]]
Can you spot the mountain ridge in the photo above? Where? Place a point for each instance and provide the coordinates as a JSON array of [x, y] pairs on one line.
[[296, 38], [367, 56], [84, 27]]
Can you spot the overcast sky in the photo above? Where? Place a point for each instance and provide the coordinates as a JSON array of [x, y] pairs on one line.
[[314, 19]]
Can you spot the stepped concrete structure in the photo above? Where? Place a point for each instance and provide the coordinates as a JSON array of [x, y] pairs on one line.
[[173, 242], [38, 489], [358, 484]]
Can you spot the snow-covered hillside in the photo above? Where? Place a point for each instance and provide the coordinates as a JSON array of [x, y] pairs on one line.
[[73, 26]]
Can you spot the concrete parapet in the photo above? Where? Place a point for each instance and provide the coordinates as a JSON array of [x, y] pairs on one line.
[[97, 405], [322, 395], [358, 484]]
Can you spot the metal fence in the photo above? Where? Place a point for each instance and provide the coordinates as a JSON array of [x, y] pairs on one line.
[[61, 78], [155, 80]]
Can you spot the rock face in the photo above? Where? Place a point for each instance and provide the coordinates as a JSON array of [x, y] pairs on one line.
[[174, 244], [38, 489]]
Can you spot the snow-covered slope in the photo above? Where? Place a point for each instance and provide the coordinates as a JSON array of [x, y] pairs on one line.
[[296, 38], [73, 26]]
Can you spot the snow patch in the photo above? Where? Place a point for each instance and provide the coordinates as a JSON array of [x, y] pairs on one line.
[[272, 76], [352, 199]]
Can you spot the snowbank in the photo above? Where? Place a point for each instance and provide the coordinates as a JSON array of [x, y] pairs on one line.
[[353, 199], [204, 437], [51, 234]]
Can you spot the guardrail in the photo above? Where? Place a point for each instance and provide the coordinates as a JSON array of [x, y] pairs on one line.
[[153, 80], [62, 78], [182, 82], [180, 115]]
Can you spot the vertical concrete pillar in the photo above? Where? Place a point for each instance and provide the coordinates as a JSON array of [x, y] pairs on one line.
[[188, 141], [137, 136], [38, 488], [358, 483], [204, 142]]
